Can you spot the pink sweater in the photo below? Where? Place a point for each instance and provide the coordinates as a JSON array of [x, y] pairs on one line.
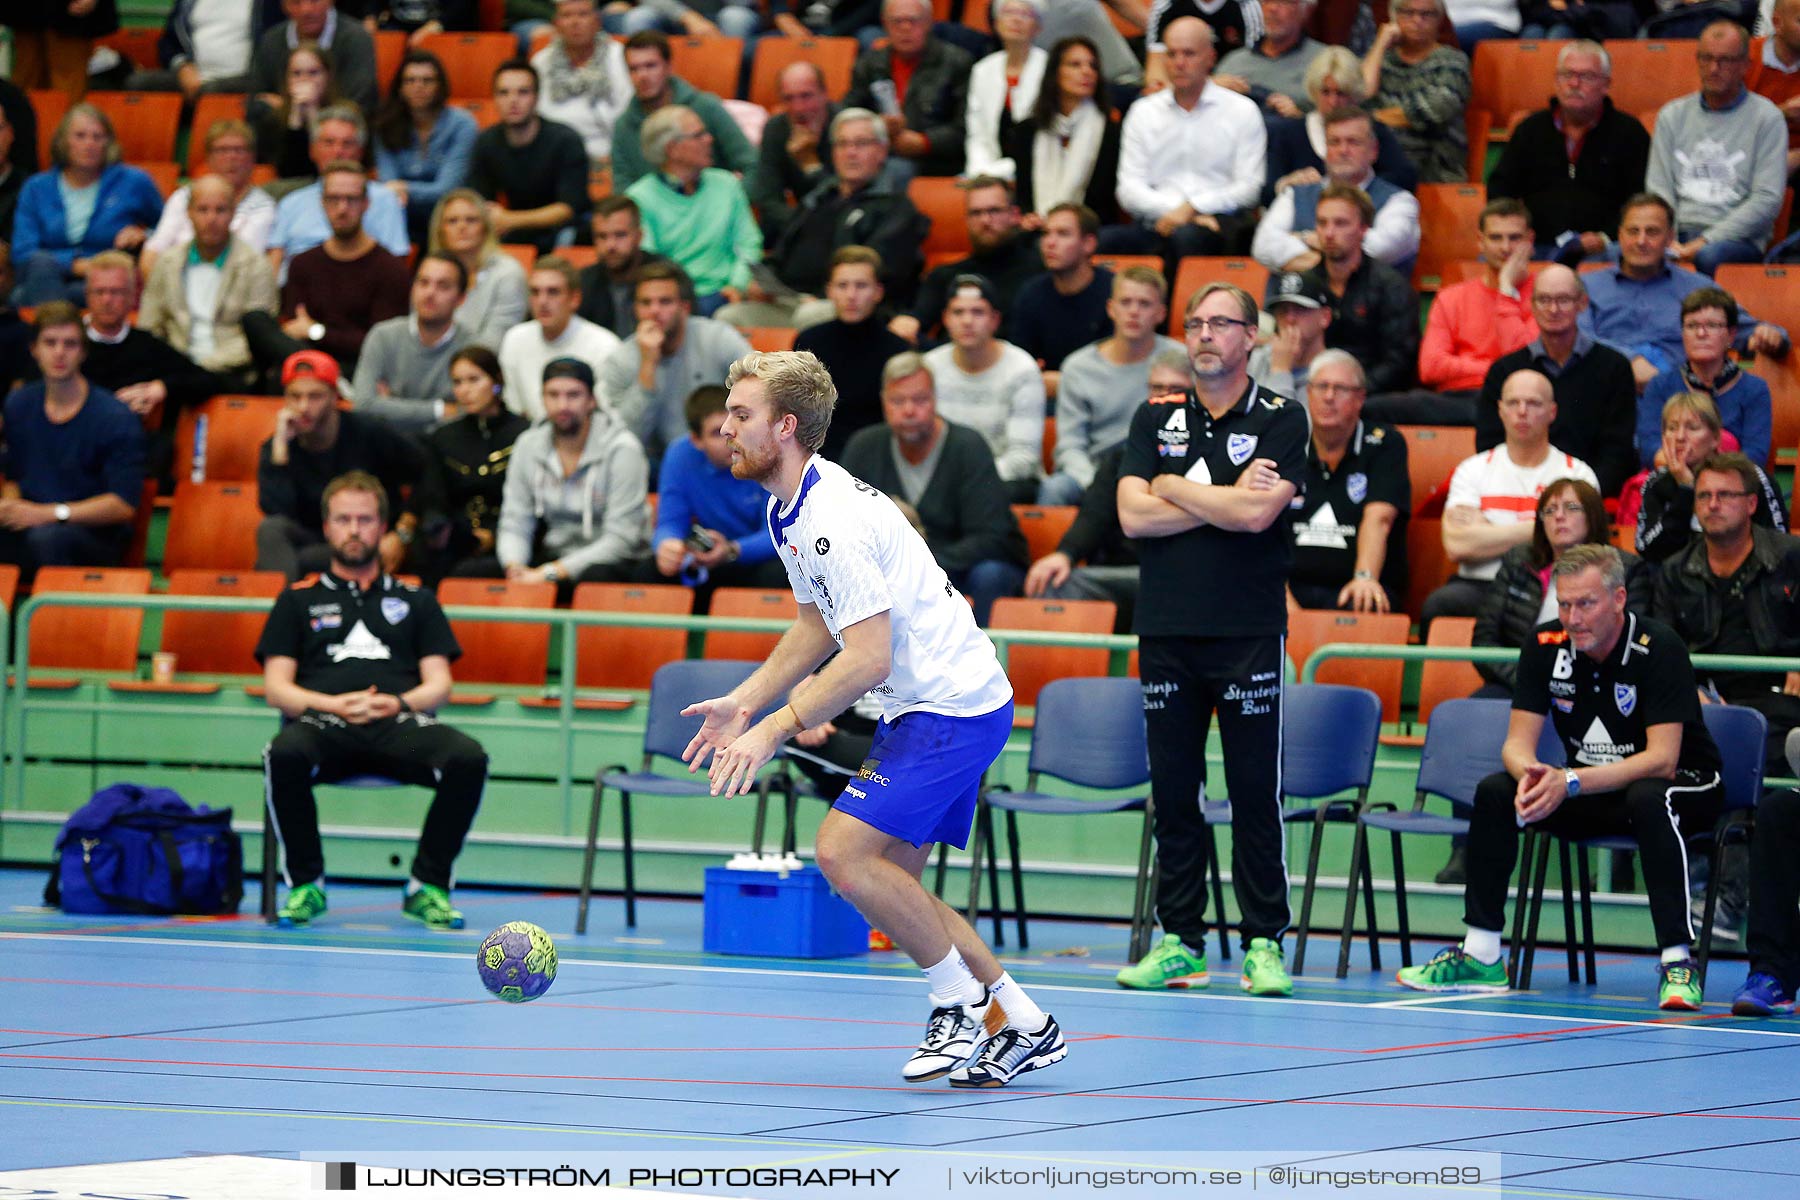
[[1471, 325]]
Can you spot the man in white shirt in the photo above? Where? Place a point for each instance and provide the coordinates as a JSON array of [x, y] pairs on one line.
[[1286, 238], [554, 331], [1492, 505], [870, 593], [990, 385], [1191, 160], [205, 47], [231, 155]]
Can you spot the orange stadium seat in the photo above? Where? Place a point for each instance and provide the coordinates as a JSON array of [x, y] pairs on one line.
[[769, 337], [1441, 681], [1766, 291], [145, 122], [1447, 213], [165, 175], [89, 639], [9, 586], [1648, 74], [1510, 76], [1311, 628], [1427, 565], [495, 651], [217, 106], [1783, 377], [748, 602], [485, 112], [1031, 667], [470, 60], [835, 56], [234, 429], [712, 64], [212, 526], [390, 48], [1198, 270], [614, 656], [211, 643], [1432, 453], [941, 200], [1044, 525], [136, 44], [49, 107]]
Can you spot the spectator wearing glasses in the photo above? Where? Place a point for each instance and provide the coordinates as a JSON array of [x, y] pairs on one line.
[[1709, 318], [1000, 251], [231, 156], [1419, 88], [693, 212], [1666, 519]]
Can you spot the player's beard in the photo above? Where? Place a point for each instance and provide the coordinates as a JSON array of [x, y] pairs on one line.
[[354, 553], [752, 465]]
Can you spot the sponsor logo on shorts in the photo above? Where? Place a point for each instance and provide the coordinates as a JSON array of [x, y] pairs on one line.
[[850, 789], [871, 771]]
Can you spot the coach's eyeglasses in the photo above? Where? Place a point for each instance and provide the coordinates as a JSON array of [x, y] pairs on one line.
[[1217, 326]]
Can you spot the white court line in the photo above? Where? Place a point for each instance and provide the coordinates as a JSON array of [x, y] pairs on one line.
[[1192, 997]]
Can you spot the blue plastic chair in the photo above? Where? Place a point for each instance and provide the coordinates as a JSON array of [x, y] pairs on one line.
[[1089, 732], [666, 734], [1740, 734]]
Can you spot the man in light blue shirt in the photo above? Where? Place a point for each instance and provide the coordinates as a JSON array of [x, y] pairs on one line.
[[300, 223]]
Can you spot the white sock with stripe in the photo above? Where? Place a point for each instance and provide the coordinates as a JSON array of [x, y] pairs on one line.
[[952, 982]]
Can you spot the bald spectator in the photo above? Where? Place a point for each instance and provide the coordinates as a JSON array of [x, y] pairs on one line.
[[655, 85], [795, 156], [1775, 71], [1720, 156], [1233, 24], [920, 86], [1272, 72], [352, 53]]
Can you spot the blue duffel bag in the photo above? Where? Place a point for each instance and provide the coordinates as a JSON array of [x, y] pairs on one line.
[[134, 849]]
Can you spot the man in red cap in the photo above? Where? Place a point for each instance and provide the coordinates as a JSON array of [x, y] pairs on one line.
[[314, 443]]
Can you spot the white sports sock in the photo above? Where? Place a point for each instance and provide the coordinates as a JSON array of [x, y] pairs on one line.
[[1482, 945], [1020, 1011], [1681, 953], [952, 982]]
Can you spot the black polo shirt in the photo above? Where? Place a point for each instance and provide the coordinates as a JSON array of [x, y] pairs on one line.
[[1602, 709], [1325, 526], [1211, 582], [346, 638]]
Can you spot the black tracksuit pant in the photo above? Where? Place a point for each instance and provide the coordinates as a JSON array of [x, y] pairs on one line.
[[1774, 935], [410, 747], [1185, 680]]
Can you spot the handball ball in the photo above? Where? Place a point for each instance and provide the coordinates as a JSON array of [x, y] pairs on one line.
[[517, 962]]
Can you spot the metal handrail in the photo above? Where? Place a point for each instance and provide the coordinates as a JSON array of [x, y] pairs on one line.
[[1474, 654]]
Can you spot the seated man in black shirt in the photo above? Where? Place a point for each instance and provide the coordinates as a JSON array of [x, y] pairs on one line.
[[1620, 689], [607, 284], [854, 345], [535, 172], [1000, 249], [358, 662]]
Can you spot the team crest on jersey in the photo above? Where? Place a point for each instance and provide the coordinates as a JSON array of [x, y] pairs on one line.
[[1239, 447], [394, 609], [1625, 696], [1358, 487]]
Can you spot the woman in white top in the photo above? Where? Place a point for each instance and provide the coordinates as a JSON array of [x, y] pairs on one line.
[[1067, 151], [496, 298], [1003, 87]]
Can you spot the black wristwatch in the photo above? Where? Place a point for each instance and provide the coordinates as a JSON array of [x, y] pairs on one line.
[[404, 706]]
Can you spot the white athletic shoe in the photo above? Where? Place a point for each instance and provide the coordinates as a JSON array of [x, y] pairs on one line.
[[1012, 1052], [952, 1036]]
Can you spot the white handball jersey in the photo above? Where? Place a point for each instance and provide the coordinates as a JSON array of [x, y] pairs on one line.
[[850, 552]]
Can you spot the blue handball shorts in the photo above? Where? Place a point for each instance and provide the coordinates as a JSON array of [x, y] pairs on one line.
[[923, 775]]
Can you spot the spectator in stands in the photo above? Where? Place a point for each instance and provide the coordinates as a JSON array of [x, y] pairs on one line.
[[339, 289], [1419, 88], [230, 156], [1286, 239], [284, 130], [1003, 88], [566, 525], [1297, 148], [712, 528], [1735, 589], [1118, 62], [1522, 596], [693, 212], [460, 226], [1273, 71], [1064, 308], [74, 460], [352, 53], [1000, 251], [1067, 150], [532, 171], [1349, 524], [403, 372], [1720, 155], [314, 442], [1301, 307], [671, 352], [452, 515], [554, 331], [1774, 71], [51, 43], [1635, 307], [301, 219], [1376, 312], [1493, 494], [525, 17], [18, 153], [1708, 317], [1191, 159], [1101, 385], [1230, 26], [694, 18], [990, 386], [1577, 162], [422, 143], [606, 285], [1595, 395], [854, 345], [1479, 20], [582, 78], [1473, 323], [654, 85], [919, 84], [796, 152], [205, 47], [946, 472], [358, 689], [88, 201], [417, 19], [196, 300], [1692, 433], [15, 334], [1597, 19]]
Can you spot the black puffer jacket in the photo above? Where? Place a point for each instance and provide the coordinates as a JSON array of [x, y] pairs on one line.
[[1509, 610]]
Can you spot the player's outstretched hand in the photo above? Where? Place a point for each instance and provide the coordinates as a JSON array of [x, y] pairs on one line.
[[735, 766], [724, 721]]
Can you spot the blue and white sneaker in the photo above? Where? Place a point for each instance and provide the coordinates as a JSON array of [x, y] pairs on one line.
[[1761, 996], [1012, 1052], [952, 1036]]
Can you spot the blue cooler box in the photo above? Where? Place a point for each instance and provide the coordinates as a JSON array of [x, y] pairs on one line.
[[762, 913]]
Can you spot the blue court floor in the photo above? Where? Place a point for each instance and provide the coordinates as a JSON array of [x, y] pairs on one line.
[[133, 1039]]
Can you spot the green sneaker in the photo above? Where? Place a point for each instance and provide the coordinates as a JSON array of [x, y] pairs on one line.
[[1265, 969], [1680, 991], [303, 904], [1450, 970], [1169, 965], [432, 906]]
